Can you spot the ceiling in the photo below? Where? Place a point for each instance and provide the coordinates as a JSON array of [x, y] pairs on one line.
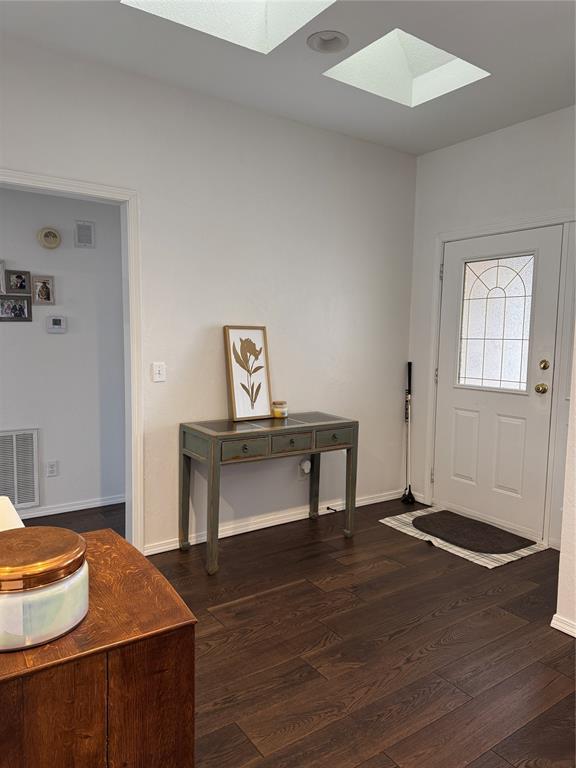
[[528, 47]]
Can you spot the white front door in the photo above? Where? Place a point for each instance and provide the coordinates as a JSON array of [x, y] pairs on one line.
[[495, 372]]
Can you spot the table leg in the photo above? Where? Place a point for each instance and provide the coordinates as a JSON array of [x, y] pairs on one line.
[[314, 484], [351, 470], [185, 470], [213, 509]]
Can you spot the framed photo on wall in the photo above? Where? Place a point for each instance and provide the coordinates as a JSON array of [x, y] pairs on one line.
[[15, 309], [43, 289], [17, 281], [248, 373]]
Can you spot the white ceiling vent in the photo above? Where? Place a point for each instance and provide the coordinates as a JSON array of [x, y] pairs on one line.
[[84, 234], [19, 467]]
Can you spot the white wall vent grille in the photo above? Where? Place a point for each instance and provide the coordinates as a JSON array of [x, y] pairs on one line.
[[19, 467], [84, 234]]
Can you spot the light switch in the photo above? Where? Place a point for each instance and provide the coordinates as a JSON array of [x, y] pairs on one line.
[[158, 372]]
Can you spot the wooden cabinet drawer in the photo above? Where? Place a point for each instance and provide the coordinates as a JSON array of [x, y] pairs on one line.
[[253, 447], [287, 443], [327, 437]]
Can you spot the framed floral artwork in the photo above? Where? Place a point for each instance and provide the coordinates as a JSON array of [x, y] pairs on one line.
[[248, 373]]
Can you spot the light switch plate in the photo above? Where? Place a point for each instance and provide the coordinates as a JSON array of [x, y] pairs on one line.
[[158, 372]]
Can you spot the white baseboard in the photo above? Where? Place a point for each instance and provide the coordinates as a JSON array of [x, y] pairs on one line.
[[554, 543], [73, 506], [257, 522], [564, 625]]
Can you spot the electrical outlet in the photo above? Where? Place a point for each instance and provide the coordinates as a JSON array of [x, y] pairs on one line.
[[158, 372], [304, 468], [52, 469]]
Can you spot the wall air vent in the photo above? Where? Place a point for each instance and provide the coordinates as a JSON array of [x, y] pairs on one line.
[[19, 467], [84, 234]]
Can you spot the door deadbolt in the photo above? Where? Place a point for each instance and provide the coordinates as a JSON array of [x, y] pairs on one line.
[[541, 388], [544, 365]]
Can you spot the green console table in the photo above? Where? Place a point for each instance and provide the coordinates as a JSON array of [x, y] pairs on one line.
[[218, 443]]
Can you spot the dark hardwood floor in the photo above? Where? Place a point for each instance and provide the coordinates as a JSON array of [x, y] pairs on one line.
[[314, 651], [84, 520]]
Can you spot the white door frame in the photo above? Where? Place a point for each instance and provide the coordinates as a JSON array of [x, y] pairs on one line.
[[128, 201], [562, 216]]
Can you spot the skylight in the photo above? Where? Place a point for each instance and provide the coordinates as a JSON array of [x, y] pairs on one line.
[[405, 69], [260, 25]]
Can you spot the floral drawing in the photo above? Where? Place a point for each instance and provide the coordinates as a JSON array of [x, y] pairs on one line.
[[247, 359]]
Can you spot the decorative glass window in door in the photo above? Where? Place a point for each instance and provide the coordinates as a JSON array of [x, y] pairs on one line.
[[495, 326]]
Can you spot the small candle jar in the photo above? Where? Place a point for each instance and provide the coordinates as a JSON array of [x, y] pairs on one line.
[[43, 585], [279, 409]]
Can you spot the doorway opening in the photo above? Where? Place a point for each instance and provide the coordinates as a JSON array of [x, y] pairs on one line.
[[74, 381], [61, 330]]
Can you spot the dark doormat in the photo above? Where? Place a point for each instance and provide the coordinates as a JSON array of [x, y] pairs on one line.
[[470, 534]]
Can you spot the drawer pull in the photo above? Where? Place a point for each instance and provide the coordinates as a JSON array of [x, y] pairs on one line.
[[245, 448], [335, 437], [292, 442]]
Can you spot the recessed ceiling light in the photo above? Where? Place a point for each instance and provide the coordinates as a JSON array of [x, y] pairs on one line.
[[328, 41], [260, 25], [405, 69]]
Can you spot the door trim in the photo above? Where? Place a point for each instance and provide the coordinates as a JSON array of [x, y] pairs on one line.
[[128, 201], [562, 216], [557, 455]]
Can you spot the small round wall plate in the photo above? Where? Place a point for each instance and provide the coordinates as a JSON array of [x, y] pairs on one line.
[[48, 237]]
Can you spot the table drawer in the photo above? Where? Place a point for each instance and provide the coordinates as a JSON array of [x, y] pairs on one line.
[[287, 443], [252, 447], [327, 437]]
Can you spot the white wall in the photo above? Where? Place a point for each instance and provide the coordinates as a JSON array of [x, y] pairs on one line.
[[245, 218], [565, 618], [523, 171], [70, 386]]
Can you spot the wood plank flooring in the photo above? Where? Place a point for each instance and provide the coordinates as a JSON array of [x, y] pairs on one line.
[[83, 520], [382, 652], [314, 651]]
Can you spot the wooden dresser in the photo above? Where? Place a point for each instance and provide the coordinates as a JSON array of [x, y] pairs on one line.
[[117, 691]]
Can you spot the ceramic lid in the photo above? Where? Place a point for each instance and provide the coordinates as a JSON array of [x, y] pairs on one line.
[[38, 556]]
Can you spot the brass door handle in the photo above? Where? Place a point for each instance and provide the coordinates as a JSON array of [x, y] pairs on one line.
[[541, 389], [544, 365]]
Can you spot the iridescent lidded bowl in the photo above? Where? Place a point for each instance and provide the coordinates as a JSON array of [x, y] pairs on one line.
[[43, 585]]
